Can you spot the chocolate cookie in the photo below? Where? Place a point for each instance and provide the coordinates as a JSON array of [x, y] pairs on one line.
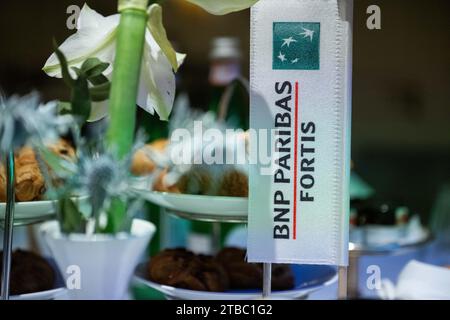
[[29, 273], [242, 275], [245, 275], [282, 277], [183, 269]]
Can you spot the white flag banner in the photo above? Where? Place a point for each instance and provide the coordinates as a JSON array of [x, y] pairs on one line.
[[301, 104]]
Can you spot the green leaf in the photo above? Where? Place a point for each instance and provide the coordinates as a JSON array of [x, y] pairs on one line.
[[64, 66], [77, 71], [81, 99], [101, 92], [72, 219], [117, 217], [98, 80], [93, 67], [64, 107], [156, 27], [221, 7]]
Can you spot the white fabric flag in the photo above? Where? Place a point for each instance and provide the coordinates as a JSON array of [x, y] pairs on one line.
[[301, 93]]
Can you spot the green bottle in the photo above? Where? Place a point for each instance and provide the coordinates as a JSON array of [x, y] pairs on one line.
[[225, 68]]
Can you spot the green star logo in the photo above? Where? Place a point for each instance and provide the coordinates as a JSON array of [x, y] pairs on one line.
[[296, 46]]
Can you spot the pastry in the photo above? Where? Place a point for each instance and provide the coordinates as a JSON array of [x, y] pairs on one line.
[[63, 149], [2, 184], [29, 273], [142, 164], [282, 277], [212, 179], [162, 185], [244, 275], [30, 182], [228, 270], [168, 264], [213, 274], [202, 273], [234, 184], [183, 269], [197, 181]]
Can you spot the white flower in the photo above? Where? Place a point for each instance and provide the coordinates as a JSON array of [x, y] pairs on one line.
[[96, 37], [221, 7]]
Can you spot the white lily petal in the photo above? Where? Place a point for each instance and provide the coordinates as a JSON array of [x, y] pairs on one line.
[[95, 38], [99, 110], [157, 85], [221, 7], [156, 28], [88, 18], [180, 58]]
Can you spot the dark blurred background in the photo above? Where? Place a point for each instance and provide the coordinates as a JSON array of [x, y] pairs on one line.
[[401, 91]]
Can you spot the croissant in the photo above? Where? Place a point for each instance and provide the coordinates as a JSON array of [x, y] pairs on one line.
[[142, 165], [30, 183], [63, 149], [2, 184]]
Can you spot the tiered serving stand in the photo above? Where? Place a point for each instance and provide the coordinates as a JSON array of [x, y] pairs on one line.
[[217, 210], [12, 215]]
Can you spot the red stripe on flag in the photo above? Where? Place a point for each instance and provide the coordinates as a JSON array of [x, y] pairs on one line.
[[295, 158]]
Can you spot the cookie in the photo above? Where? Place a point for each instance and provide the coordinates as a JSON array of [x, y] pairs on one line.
[[29, 273]]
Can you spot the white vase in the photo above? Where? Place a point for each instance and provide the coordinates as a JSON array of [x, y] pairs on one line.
[[98, 267]]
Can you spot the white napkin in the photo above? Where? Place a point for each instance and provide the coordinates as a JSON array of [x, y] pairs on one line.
[[418, 281]]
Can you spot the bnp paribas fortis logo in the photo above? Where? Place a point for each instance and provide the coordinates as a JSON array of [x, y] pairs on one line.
[[296, 46]]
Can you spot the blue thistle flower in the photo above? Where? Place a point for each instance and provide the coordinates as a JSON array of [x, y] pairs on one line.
[[25, 120], [103, 178]]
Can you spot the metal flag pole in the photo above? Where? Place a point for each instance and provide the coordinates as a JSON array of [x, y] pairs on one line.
[[342, 283], [8, 225], [267, 280], [346, 14]]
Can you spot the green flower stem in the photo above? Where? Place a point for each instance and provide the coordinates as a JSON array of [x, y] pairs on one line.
[[125, 81], [124, 89]]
